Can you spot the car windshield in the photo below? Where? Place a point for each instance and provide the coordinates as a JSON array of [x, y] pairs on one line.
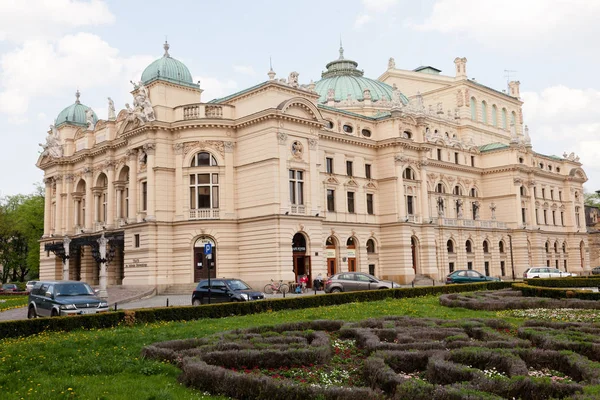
[[238, 285], [73, 289]]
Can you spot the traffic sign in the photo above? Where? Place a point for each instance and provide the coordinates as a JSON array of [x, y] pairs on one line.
[[207, 249]]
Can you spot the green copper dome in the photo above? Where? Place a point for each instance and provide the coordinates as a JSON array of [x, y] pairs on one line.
[[75, 114], [343, 77], [168, 69]]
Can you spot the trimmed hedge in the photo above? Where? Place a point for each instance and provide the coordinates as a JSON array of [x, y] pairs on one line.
[[185, 313], [555, 293], [570, 282]]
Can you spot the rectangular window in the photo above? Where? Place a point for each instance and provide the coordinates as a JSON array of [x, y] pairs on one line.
[[296, 187], [565, 264], [204, 191], [368, 171], [470, 265], [547, 263], [350, 196], [370, 204], [553, 217], [559, 195], [372, 269], [451, 267], [545, 217], [556, 264], [144, 195], [349, 168], [523, 211], [551, 194], [125, 211], [439, 154], [534, 192], [136, 240], [455, 158], [472, 161], [487, 268], [577, 217], [502, 268], [409, 205], [562, 218], [537, 216], [543, 193], [330, 200], [329, 165]]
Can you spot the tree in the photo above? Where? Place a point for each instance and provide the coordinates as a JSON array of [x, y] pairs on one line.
[[591, 199], [21, 226]]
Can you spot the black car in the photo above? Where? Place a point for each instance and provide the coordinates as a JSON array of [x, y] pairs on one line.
[[596, 271], [56, 298], [224, 290]]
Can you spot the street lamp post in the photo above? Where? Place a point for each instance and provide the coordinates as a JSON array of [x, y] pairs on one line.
[[102, 242], [512, 262]]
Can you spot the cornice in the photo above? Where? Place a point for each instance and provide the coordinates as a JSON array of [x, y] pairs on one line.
[[271, 85], [452, 166], [342, 138]]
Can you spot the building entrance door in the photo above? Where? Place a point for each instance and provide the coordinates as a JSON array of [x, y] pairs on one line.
[[202, 265]]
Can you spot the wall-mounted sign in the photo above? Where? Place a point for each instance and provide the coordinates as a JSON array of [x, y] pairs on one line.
[[351, 253], [299, 249], [330, 253]]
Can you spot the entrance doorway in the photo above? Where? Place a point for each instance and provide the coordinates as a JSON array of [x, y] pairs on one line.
[[302, 265], [331, 254], [202, 265]]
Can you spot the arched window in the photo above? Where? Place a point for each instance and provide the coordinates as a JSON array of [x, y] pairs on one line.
[[547, 246], [473, 192], [556, 247], [473, 110], [486, 246], [370, 246], [450, 245], [494, 115], [501, 246], [328, 124], [469, 246], [407, 135], [564, 247], [484, 112], [204, 159], [440, 188], [504, 119], [457, 190], [513, 118], [408, 174], [522, 191]]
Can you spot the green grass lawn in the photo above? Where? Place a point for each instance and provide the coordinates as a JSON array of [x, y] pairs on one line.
[[106, 364], [9, 302]]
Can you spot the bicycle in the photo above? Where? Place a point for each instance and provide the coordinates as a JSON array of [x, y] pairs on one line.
[[276, 287]]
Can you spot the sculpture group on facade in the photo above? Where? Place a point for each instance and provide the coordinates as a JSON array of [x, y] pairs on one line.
[[52, 148], [142, 107]]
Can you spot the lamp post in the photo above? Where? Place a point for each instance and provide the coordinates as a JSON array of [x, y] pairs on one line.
[[512, 262], [102, 242], [66, 242]]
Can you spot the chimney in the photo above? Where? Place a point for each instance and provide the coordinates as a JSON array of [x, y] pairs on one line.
[[461, 67], [513, 88]]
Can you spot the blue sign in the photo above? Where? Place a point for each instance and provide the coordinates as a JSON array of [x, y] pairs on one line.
[[207, 248]]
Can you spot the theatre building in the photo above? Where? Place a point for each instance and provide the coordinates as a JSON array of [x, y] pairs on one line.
[[414, 173]]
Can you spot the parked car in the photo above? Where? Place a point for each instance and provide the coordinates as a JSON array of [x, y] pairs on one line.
[[56, 298], [353, 281], [29, 285], [545, 272], [224, 290], [596, 271], [9, 287], [469, 276]]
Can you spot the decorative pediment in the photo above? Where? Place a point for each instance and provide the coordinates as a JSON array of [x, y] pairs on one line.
[[79, 133], [300, 107], [331, 180], [216, 145], [370, 185], [351, 182]]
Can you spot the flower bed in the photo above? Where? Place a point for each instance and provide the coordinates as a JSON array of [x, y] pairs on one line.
[[390, 358]]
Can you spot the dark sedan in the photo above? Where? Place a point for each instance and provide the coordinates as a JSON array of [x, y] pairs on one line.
[[468, 276], [224, 290], [9, 287]]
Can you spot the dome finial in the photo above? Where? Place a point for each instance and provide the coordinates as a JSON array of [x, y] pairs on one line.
[[166, 47], [77, 94], [271, 73], [341, 49]]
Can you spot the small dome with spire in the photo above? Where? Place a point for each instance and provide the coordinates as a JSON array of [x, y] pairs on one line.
[[347, 81], [74, 114], [168, 69]]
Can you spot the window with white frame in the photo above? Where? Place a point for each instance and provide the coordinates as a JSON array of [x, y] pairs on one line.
[[204, 191], [296, 186]]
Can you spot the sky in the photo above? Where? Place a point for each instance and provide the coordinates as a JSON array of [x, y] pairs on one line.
[[51, 48]]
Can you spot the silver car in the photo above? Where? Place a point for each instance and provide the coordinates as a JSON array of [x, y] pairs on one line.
[[353, 281], [545, 272]]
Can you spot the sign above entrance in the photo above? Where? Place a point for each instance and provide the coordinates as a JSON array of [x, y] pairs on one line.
[[204, 240], [299, 249]]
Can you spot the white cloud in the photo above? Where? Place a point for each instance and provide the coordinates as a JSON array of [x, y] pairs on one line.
[[511, 19], [244, 69], [34, 19], [362, 20], [40, 68], [563, 119], [379, 5], [215, 88]]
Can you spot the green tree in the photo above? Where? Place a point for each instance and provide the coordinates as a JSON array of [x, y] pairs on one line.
[[591, 199], [21, 226]]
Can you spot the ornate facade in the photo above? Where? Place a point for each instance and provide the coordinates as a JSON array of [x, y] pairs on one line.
[[415, 173]]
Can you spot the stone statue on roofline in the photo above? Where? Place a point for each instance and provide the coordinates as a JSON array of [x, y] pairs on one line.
[[89, 119], [52, 148], [391, 63], [111, 110]]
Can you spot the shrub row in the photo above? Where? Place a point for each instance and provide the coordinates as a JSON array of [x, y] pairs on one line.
[[555, 293], [576, 281], [186, 313]]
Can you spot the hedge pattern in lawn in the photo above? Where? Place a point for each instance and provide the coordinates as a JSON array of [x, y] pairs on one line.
[[397, 358], [187, 313], [508, 299]]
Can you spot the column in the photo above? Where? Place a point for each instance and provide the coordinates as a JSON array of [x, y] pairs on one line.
[[89, 202], [119, 200], [76, 208], [69, 222], [96, 213], [179, 190], [66, 242], [110, 193], [401, 201], [424, 194], [517, 187], [47, 206], [58, 222], [533, 221], [133, 185], [150, 148], [229, 188], [102, 242]]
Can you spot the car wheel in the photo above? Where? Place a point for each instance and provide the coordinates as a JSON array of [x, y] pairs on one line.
[[196, 302], [31, 313], [335, 290], [54, 313]]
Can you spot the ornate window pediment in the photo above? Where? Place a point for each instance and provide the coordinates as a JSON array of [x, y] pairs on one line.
[[331, 180], [370, 185], [351, 182]]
